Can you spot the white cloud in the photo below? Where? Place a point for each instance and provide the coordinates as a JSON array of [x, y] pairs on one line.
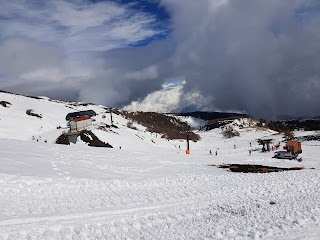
[[165, 100], [76, 25], [172, 98], [79, 17]]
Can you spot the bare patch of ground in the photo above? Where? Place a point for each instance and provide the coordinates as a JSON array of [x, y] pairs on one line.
[[92, 140], [248, 168], [63, 139], [30, 112], [4, 103], [86, 136]]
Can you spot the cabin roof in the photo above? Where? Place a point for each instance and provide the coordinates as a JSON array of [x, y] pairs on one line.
[[86, 113]]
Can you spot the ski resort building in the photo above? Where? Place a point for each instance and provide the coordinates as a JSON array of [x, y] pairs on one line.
[[79, 121]]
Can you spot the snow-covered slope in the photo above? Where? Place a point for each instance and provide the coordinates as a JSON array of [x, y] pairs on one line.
[[16, 124], [148, 189]]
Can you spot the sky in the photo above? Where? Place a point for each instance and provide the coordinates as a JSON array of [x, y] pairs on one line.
[[254, 56]]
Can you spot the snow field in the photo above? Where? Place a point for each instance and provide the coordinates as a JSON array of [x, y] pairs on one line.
[[234, 206], [148, 189]]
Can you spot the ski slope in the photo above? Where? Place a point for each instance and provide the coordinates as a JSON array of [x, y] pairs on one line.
[[149, 188]]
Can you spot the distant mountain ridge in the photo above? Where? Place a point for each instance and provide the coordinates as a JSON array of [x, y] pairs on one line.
[[209, 116]]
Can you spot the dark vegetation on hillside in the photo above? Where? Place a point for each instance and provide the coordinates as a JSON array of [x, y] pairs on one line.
[[169, 127], [4, 103], [229, 133], [81, 104], [30, 112], [274, 125], [287, 127], [307, 125], [315, 137]]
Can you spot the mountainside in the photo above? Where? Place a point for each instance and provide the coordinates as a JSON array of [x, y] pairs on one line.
[[146, 186], [35, 118]]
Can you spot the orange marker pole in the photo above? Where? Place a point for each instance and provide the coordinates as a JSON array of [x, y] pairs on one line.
[[188, 146]]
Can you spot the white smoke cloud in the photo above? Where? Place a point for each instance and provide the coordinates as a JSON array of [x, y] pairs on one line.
[[171, 98]]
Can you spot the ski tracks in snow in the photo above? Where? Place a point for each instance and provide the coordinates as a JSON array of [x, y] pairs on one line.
[[57, 163], [238, 206]]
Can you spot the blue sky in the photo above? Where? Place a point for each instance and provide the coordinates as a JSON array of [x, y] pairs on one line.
[[162, 20], [307, 13]]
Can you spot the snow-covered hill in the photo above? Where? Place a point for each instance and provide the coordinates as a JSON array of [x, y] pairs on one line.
[[149, 188], [15, 123]]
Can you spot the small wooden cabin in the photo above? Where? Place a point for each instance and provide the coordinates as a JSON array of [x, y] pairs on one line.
[[293, 147]]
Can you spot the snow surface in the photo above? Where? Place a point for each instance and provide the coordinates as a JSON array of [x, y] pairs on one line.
[[148, 189]]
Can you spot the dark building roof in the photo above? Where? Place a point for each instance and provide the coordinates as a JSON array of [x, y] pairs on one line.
[[86, 113]]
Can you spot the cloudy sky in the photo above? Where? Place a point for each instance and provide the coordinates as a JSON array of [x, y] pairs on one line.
[[255, 56]]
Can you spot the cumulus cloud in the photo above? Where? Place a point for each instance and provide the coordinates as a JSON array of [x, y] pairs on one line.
[[171, 98], [165, 100]]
